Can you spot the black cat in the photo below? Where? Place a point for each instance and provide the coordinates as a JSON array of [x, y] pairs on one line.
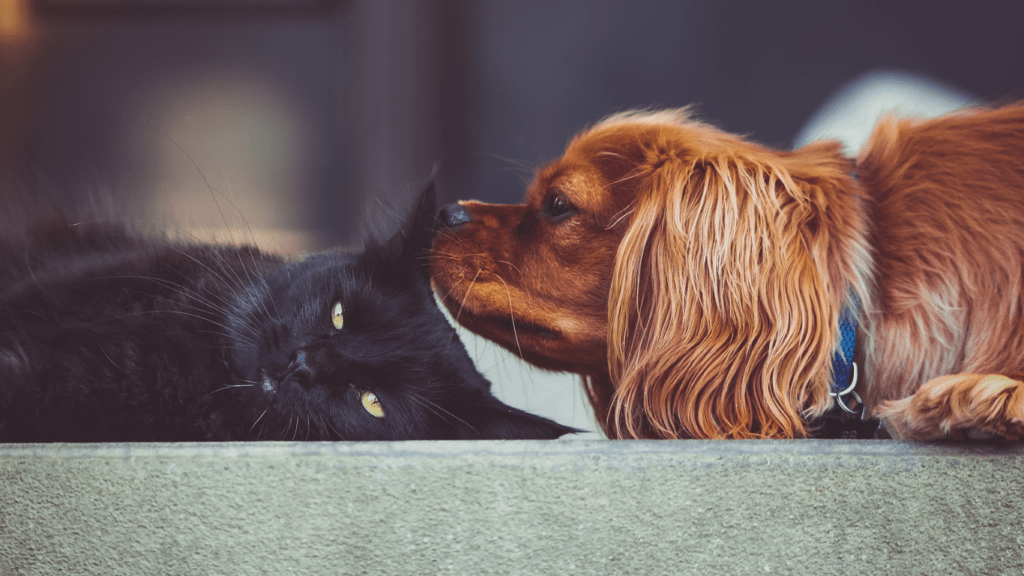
[[109, 336]]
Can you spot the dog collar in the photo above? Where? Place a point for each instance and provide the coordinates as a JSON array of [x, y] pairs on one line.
[[844, 369], [842, 421]]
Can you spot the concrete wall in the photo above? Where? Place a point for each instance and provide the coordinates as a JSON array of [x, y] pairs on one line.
[[561, 507]]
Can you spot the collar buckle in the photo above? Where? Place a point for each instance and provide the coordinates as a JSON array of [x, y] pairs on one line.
[[839, 397]]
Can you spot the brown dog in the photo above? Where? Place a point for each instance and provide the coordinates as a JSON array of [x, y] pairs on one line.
[[696, 279]]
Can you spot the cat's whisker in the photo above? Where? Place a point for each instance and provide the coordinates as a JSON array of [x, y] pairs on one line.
[[512, 316], [244, 332], [201, 263], [251, 283], [331, 426], [257, 302], [250, 336], [232, 386], [261, 282], [462, 305], [185, 291], [245, 221], [324, 427], [466, 296], [270, 296], [179, 288], [190, 293], [241, 340], [179, 312], [109, 358], [245, 289], [225, 346], [434, 407], [213, 192], [216, 254], [257, 420]]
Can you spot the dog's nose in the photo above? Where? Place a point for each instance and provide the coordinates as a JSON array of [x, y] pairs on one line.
[[454, 215]]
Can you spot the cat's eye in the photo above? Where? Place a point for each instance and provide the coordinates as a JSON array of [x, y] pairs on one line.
[[372, 404], [338, 316]]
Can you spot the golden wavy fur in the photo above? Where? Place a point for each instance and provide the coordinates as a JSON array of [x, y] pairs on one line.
[[695, 279]]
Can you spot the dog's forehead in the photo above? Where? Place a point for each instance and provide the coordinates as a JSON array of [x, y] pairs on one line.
[[615, 151], [578, 179], [601, 166], [596, 161], [628, 139]]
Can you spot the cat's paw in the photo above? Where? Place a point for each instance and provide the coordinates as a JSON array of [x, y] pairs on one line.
[[959, 407]]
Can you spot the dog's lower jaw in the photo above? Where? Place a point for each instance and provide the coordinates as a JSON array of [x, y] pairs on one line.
[[542, 339], [534, 343], [545, 347]]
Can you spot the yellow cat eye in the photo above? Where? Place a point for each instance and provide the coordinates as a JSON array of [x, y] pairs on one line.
[[338, 316], [372, 404]]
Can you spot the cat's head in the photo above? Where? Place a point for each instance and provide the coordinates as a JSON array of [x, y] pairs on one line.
[[353, 346]]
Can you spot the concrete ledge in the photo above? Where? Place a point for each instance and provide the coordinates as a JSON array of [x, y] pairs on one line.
[[561, 507]]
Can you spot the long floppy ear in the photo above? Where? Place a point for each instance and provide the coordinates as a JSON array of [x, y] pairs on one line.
[[723, 308]]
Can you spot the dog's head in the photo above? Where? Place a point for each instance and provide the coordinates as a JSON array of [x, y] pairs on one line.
[[701, 275]]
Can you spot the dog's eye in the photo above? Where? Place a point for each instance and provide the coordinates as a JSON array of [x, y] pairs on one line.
[[557, 207], [338, 316], [372, 404]]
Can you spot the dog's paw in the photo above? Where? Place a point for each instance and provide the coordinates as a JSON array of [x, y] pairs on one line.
[[959, 407]]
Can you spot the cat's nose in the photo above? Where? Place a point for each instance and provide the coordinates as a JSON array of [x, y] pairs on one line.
[[454, 215], [300, 368]]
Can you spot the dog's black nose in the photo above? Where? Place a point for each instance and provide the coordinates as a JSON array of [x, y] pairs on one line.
[[454, 215]]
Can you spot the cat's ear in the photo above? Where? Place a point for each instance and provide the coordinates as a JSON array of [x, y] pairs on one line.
[[408, 247], [494, 420]]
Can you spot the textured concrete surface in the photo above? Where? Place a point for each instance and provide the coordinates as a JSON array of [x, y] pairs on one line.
[[561, 507]]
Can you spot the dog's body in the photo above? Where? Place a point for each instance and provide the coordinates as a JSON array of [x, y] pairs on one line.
[[696, 279]]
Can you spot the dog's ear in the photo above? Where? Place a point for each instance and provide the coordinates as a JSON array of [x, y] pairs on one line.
[[723, 309]]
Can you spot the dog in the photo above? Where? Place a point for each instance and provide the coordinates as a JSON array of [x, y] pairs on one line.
[[697, 280]]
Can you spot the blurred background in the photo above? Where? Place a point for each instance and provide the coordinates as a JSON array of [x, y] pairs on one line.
[[299, 112]]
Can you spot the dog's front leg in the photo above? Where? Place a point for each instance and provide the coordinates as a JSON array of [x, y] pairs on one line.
[[959, 406]]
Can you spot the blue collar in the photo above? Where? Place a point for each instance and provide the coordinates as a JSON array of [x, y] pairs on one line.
[[844, 371], [842, 421]]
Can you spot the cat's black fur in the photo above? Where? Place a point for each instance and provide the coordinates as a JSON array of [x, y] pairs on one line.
[[109, 336]]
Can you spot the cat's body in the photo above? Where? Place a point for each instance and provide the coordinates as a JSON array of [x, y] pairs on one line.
[[108, 336]]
